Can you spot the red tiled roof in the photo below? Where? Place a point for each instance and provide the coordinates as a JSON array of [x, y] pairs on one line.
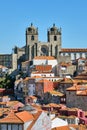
[[36, 72], [65, 80], [44, 57], [73, 126], [80, 89], [82, 76], [52, 105], [79, 127], [74, 50], [11, 118], [25, 116], [79, 81], [61, 128], [43, 80], [14, 103], [65, 64], [82, 93], [36, 76], [56, 93], [33, 77], [77, 87], [44, 68]]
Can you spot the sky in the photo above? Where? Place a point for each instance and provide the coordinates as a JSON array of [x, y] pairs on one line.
[[17, 15]]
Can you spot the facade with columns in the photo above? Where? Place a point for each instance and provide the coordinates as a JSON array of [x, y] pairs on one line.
[[53, 46], [35, 48]]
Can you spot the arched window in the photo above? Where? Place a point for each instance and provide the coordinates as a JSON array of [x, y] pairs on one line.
[[32, 37], [55, 38]]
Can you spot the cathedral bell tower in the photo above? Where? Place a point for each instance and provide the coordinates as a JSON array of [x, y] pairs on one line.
[[54, 39], [31, 42]]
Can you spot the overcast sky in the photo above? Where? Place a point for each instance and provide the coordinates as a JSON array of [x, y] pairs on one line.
[[17, 15]]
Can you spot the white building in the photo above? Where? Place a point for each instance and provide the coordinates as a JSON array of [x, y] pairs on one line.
[[46, 60]]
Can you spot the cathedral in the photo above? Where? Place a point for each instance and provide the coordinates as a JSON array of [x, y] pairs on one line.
[[33, 47], [53, 46], [36, 48]]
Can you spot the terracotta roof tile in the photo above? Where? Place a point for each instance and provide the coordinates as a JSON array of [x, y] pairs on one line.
[[13, 103], [42, 73], [44, 57], [44, 80], [63, 64], [74, 50], [11, 118], [81, 77], [79, 81], [80, 89], [43, 68], [52, 105], [25, 116], [71, 126], [56, 93], [66, 80], [84, 93], [61, 128], [2, 103], [79, 127], [76, 87], [34, 77]]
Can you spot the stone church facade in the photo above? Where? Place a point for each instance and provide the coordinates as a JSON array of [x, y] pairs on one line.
[[53, 46], [35, 48]]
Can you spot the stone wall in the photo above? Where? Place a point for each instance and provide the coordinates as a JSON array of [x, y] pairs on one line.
[[73, 100]]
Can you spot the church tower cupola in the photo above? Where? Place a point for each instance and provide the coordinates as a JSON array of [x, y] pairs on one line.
[[31, 35], [32, 30], [54, 39], [53, 33], [31, 42]]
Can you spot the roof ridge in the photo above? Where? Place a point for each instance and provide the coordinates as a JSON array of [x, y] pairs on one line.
[[10, 118]]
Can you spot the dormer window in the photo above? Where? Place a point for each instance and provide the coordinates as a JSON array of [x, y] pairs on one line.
[[32, 37], [55, 38]]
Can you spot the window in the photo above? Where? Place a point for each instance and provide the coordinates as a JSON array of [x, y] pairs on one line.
[[86, 54], [55, 38], [14, 126], [32, 37], [20, 127], [74, 55], [80, 55], [3, 127], [9, 126]]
